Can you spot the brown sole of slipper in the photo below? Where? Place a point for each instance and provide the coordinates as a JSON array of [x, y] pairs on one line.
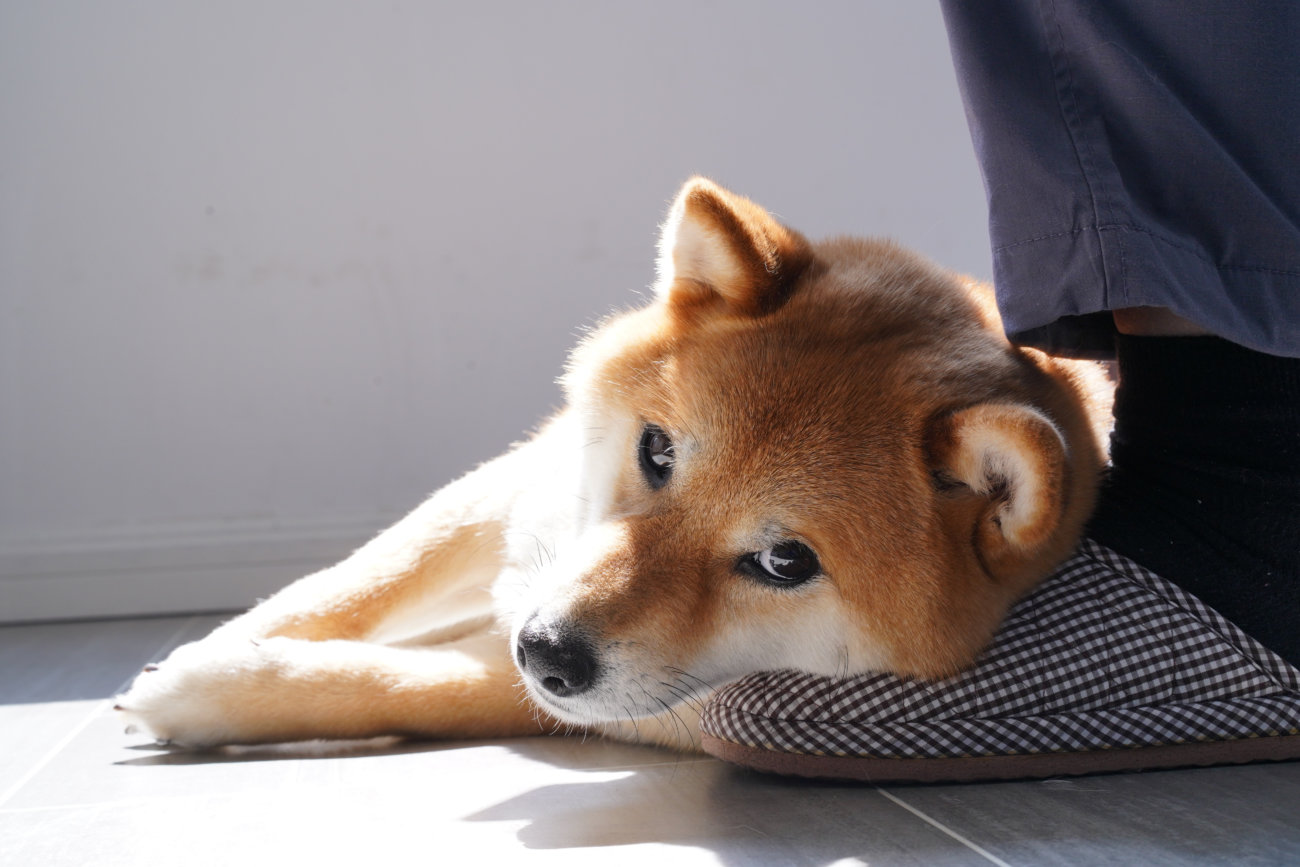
[[1024, 767]]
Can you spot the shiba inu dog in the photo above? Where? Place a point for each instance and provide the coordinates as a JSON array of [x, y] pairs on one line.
[[821, 456]]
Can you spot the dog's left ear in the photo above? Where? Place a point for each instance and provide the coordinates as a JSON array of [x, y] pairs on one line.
[[717, 246], [1015, 462]]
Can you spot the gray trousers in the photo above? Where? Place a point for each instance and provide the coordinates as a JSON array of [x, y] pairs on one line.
[[1137, 153]]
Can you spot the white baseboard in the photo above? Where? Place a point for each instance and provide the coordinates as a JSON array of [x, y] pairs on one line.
[[164, 570]]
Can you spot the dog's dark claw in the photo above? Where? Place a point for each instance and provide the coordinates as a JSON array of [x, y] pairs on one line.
[[118, 707], [148, 668]]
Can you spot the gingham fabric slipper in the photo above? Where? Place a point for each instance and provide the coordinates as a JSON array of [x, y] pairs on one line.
[[1104, 667]]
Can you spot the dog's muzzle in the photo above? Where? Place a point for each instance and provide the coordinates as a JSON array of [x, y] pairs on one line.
[[558, 659]]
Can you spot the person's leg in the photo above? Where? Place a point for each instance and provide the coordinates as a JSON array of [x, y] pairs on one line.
[[1139, 163], [1204, 484]]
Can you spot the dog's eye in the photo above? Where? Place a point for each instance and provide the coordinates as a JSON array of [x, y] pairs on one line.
[[785, 563], [655, 453]]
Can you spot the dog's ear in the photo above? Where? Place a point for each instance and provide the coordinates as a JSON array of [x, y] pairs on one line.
[[716, 246], [1005, 469]]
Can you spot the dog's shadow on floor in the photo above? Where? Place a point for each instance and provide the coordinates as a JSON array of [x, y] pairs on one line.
[[168, 754], [697, 802], [574, 753]]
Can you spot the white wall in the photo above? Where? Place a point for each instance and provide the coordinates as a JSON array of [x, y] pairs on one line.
[[272, 271]]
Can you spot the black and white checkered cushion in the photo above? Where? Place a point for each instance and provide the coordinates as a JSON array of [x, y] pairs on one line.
[[1103, 655]]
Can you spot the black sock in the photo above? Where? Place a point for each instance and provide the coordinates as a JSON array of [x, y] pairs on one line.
[[1204, 488]]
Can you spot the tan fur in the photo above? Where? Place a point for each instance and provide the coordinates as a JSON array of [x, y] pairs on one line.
[[847, 395]]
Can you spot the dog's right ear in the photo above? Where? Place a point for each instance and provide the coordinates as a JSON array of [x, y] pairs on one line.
[[717, 246], [1015, 462]]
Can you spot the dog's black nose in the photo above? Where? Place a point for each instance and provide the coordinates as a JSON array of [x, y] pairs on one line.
[[560, 659]]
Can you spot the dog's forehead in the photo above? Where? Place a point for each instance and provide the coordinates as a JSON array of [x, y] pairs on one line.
[[820, 362], [771, 374], [872, 340]]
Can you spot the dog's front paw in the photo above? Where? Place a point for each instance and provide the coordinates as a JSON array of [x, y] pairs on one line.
[[198, 696]]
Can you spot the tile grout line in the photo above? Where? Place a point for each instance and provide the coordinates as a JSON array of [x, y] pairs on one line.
[[944, 828], [94, 712]]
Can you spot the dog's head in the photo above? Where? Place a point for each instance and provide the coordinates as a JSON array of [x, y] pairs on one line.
[[819, 456]]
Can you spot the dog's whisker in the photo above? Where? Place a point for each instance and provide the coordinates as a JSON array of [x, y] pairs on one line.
[[636, 729], [685, 696], [695, 695], [678, 722], [683, 673]]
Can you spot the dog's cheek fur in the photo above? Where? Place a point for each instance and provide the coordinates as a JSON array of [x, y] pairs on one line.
[[652, 591], [808, 628]]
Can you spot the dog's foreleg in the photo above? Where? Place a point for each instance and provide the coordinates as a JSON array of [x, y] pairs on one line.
[[287, 689], [309, 661]]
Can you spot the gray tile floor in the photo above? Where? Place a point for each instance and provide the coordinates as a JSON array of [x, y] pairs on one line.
[[75, 790]]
